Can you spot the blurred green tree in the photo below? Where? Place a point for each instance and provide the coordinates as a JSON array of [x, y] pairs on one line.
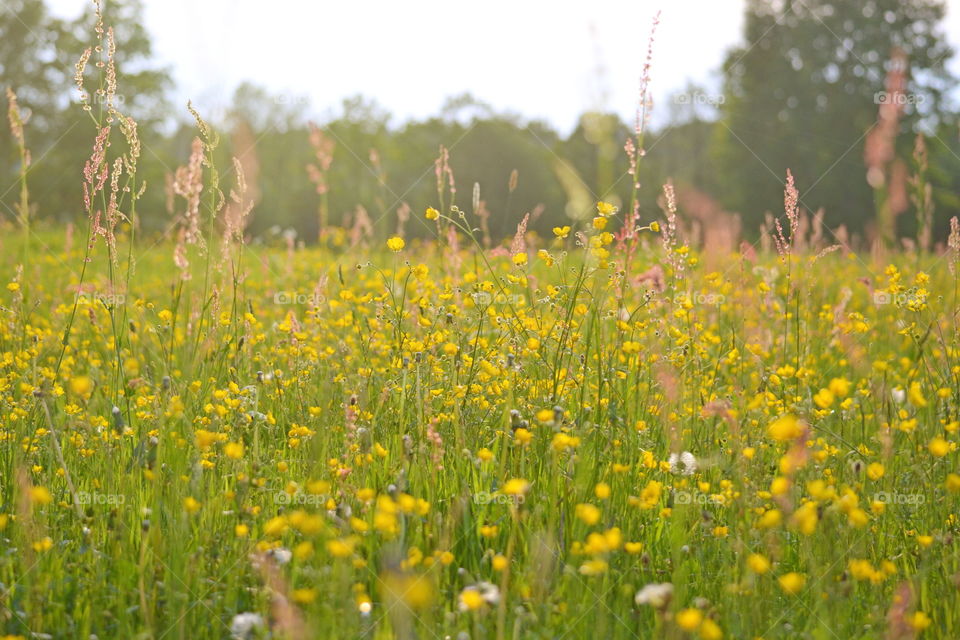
[[804, 90], [37, 55], [28, 66]]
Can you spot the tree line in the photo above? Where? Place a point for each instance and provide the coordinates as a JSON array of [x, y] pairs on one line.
[[853, 98]]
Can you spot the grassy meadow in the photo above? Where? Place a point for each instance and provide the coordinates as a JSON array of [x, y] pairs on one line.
[[619, 428], [419, 440]]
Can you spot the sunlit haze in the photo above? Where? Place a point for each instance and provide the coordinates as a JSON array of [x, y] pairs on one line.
[[538, 59], [532, 58]]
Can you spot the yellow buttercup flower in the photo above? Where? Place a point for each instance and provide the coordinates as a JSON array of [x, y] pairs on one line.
[[792, 583], [191, 505], [81, 386], [785, 428], [303, 596], [233, 450], [689, 619], [824, 398], [40, 496], [45, 544], [471, 599], [939, 447], [915, 395], [839, 387], [710, 630], [758, 564], [515, 487], [588, 513], [606, 209], [953, 483], [919, 620]]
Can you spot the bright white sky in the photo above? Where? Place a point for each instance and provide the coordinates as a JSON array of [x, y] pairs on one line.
[[538, 58]]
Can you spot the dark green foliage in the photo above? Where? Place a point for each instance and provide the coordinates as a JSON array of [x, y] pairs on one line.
[[801, 94]]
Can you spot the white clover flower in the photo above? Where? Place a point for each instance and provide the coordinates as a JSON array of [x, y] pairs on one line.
[[243, 624], [899, 395], [489, 591], [281, 555], [655, 594], [685, 463]]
